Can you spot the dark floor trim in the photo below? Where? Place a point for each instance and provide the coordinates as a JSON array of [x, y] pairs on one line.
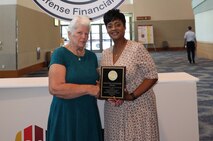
[[21, 72], [166, 49]]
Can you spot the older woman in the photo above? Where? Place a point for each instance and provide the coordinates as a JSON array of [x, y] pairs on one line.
[[135, 117], [73, 74]]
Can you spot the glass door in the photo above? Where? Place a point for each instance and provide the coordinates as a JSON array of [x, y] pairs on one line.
[[94, 38], [98, 39], [106, 40]]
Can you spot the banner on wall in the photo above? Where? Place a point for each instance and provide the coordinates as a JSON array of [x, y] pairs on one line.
[[67, 9], [145, 34]]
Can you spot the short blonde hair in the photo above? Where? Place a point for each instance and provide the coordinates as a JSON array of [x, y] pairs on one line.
[[78, 21]]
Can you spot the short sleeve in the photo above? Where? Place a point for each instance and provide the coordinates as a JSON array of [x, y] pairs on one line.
[[57, 57], [145, 62]]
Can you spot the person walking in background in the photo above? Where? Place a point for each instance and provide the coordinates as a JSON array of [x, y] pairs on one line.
[[135, 117], [190, 43], [74, 114]]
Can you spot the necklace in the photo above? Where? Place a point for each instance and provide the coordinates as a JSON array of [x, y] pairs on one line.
[[80, 53], [77, 52]]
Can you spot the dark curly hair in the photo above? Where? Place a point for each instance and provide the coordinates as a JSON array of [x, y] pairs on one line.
[[114, 14]]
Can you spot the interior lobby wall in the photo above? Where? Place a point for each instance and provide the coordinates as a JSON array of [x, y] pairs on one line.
[[7, 37], [36, 31], [23, 31], [204, 29], [29, 4], [170, 19], [164, 9], [170, 31]]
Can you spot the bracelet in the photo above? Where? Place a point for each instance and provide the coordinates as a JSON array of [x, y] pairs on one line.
[[133, 96]]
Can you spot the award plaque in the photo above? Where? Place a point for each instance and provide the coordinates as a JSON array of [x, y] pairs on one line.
[[112, 82]]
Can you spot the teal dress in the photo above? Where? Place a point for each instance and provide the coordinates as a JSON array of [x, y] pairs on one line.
[[75, 119]]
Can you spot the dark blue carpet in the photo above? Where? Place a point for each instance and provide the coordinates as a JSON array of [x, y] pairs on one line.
[[176, 61]]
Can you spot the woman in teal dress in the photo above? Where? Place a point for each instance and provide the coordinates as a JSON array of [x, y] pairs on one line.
[[73, 76]]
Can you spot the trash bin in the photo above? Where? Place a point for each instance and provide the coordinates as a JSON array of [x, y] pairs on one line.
[[165, 45]]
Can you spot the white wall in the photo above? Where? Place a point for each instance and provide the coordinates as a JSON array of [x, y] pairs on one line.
[[195, 3], [204, 28], [7, 2], [26, 3]]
